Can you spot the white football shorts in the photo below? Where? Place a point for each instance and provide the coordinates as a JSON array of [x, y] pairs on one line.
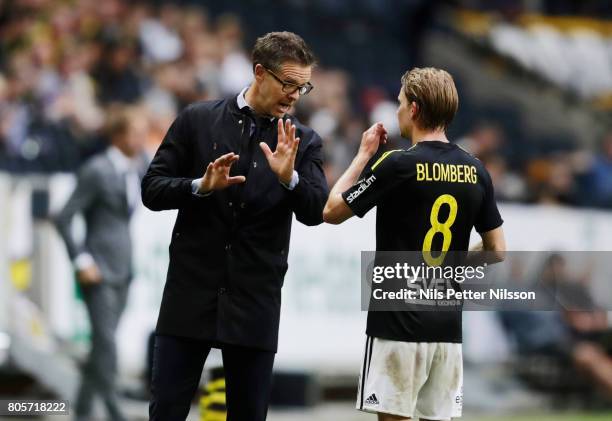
[[411, 379]]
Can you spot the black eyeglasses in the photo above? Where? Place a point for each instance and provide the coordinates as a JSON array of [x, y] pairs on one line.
[[289, 87]]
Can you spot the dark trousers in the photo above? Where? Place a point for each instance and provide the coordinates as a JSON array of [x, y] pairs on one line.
[[105, 304], [177, 367]]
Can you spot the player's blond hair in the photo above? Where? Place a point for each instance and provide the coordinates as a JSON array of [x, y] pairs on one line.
[[435, 94]]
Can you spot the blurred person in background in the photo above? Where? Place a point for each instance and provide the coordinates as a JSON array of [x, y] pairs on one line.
[[228, 254], [599, 177], [106, 194], [509, 186], [413, 364], [552, 180], [117, 76], [574, 338]]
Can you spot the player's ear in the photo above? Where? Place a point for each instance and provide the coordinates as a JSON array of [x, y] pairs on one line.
[[414, 110]]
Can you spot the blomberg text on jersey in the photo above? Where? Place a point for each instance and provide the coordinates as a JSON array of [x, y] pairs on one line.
[[452, 173], [363, 185]]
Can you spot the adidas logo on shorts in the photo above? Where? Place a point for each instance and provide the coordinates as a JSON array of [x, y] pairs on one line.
[[371, 400]]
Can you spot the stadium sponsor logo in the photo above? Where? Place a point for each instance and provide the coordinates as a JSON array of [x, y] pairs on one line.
[[363, 186]]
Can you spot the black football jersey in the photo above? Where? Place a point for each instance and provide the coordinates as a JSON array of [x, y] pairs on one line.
[[428, 198]]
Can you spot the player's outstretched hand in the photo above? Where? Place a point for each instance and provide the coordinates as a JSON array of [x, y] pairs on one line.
[[372, 139], [217, 175], [282, 160]]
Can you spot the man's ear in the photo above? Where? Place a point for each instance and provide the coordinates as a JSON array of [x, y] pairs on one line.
[[258, 72], [414, 110]]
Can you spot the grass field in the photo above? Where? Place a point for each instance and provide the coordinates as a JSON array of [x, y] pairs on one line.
[[546, 417], [336, 412]]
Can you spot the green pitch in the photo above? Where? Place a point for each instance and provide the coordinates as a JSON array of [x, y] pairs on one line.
[[607, 416]]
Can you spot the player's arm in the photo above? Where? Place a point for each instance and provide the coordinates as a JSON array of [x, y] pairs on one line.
[[336, 210], [492, 248]]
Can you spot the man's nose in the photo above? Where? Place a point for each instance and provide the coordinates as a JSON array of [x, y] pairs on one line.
[[295, 95]]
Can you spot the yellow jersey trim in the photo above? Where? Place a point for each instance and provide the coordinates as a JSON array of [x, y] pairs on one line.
[[383, 156]]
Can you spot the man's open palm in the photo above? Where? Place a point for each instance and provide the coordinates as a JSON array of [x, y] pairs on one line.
[[282, 160]]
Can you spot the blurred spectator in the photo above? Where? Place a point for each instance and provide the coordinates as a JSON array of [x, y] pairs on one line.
[[577, 332], [552, 180], [537, 332], [159, 40], [117, 76], [484, 139], [509, 186], [600, 175]]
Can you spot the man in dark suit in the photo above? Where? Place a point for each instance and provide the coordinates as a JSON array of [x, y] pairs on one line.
[[106, 193], [228, 254]]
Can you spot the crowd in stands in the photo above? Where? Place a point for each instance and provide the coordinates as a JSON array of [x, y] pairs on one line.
[[65, 64]]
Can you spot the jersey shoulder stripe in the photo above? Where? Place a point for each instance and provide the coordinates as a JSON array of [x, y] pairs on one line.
[[384, 156]]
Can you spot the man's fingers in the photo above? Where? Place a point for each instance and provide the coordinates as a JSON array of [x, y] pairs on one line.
[[266, 150], [226, 160], [281, 130], [288, 127], [377, 127], [227, 164], [236, 179], [293, 149], [229, 161], [219, 161]]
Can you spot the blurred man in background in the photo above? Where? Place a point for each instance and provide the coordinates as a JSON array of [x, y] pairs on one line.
[[573, 340], [106, 194], [228, 254], [413, 364]]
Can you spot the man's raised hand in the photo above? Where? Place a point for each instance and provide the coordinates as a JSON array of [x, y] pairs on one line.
[[217, 175], [282, 160]]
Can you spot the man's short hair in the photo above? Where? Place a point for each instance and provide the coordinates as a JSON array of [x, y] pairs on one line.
[[436, 96], [118, 119], [275, 48]]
